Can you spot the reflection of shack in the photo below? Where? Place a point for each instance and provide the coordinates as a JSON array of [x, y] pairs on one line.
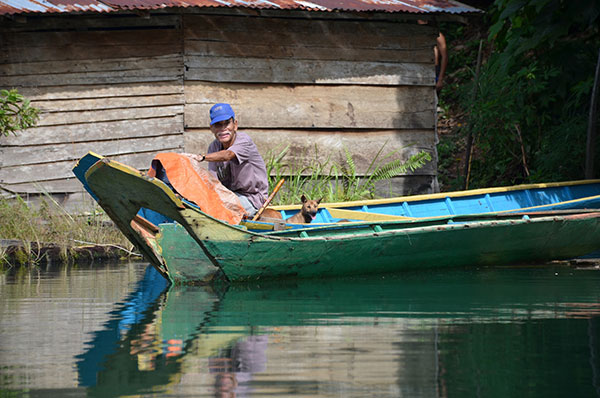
[[396, 357], [131, 79]]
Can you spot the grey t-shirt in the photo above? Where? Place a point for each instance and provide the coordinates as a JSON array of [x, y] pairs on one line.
[[245, 174]]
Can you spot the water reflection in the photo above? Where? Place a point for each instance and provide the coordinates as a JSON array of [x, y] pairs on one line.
[[494, 332], [134, 313]]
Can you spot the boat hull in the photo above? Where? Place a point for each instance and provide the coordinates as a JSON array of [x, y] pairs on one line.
[[392, 248]]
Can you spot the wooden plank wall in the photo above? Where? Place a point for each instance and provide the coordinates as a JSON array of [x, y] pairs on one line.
[[329, 83], [112, 85], [129, 87]]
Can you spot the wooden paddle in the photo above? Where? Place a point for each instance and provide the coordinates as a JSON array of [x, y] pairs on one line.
[[269, 199]]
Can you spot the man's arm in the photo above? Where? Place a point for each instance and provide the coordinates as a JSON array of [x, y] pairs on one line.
[[221, 156], [443, 51]]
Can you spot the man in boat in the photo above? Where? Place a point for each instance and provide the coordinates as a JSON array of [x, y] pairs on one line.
[[234, 158]]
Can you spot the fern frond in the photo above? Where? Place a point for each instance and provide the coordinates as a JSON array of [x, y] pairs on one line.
[[350, 162], [376, 157], [398, 167]]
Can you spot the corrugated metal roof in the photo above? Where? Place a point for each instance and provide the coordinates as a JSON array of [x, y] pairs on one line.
[[52, 6], [400, 6]]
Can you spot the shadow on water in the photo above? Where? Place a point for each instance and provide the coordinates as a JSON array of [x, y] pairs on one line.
[[492, 332]]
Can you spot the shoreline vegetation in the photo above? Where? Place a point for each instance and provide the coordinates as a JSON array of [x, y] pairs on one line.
[[46, 233]]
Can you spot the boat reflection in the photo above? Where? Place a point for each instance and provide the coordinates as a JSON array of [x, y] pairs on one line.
[[424, 334]]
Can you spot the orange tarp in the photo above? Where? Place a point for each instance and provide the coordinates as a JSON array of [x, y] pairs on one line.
[[200, 186]]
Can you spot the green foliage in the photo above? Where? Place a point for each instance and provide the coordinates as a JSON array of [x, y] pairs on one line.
[[332, 181], [529, 116], [50, 223], [524, 26], [449, 164], [356, 187], [16, 113], [300, 178]]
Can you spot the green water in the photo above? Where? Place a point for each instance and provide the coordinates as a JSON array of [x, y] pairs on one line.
[[116, 330]]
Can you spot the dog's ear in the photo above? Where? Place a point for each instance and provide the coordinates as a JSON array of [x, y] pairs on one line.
[[303, 199], [319, 201]]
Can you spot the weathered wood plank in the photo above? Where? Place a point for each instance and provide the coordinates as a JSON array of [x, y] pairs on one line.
[[306, 146], [90, 22], [101, 91], [89, 66], [273, 30], [69, 183], [407, 185], [348, 41], [85, 51], [261, 70], [68, 117], [279, 106], [87, 132], [64, 185], [21, 156], [304, 39], [118, 77], [45, 170], [106, 103], [258, 50], [116, 38]]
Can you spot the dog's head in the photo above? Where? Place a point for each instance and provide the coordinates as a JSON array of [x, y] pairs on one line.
[[309, 208]]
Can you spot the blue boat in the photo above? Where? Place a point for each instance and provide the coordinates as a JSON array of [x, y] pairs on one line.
[[583, 194]]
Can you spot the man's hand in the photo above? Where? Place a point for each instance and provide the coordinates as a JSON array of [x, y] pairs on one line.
[[197, 158], [438, 86]]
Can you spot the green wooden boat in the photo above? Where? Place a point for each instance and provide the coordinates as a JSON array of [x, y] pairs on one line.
[[180, 251]]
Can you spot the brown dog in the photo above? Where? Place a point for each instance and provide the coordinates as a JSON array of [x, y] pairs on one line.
[[306, 214]]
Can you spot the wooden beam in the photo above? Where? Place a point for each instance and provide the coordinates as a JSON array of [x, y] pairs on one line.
[[91, 132], [39, 174], [26, 155], [262, 70], [307, 106]]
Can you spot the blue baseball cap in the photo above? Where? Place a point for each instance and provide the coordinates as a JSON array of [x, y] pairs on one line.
[[220, 112]]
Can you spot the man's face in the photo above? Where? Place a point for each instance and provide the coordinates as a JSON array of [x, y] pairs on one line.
[[225, 131]]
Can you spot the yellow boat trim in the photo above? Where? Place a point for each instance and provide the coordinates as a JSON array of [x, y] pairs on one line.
[[364, 216], [442, 195], [551, 204], [256, 226]]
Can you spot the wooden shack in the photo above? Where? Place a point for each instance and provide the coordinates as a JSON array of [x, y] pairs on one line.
[[129, 85]]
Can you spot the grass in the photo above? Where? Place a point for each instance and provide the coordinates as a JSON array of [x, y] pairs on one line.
[[335, 181], [48, 222]]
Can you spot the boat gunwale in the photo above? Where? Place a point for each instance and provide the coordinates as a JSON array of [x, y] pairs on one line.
[[455, 194], [470, 221], [442, 227]]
